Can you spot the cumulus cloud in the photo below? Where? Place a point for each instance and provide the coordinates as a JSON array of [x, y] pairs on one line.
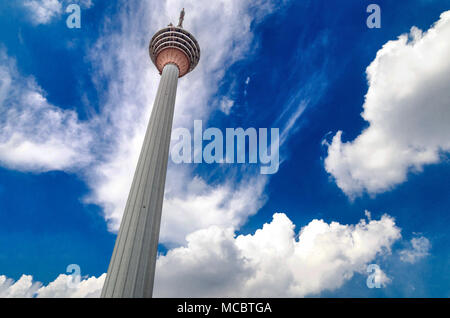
[[274, 261], [419, 248], [35, 135], [407, 108], [62, 287], [24, 287]]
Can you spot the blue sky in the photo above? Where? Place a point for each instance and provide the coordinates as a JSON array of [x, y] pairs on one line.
[[75, 103]]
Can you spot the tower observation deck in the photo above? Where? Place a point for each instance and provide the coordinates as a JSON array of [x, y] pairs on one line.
[[175, 52], [174, 45]]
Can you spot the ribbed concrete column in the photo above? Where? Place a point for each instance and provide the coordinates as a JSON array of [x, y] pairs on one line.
[[132, 267]]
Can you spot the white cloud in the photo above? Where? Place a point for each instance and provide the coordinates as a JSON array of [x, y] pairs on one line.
[[197, 205], [274, 261], [60, 288], [43, 11], [419, 248], [35, 135], [86, 4], [407, 107], [24, 287]]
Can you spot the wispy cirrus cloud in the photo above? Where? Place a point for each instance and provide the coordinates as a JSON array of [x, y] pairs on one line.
[[131, 91], [43, 11], [105, 148], [34, 134]]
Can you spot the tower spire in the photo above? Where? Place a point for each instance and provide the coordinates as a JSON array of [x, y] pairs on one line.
[[180, 23]]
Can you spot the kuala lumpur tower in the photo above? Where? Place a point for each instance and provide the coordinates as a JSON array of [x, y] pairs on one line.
[[175, 52]]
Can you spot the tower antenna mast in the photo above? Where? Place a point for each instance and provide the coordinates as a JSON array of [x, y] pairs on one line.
[[180, 22]]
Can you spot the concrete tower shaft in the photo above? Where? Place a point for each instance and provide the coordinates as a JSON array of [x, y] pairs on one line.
[[132, 266]]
